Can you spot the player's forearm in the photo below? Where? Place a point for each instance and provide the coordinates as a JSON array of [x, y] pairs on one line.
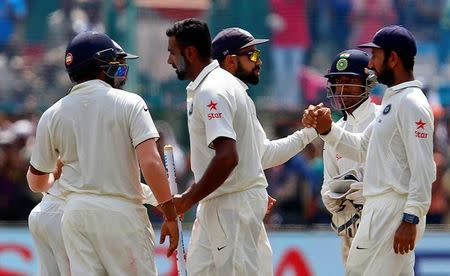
[[153, 170], [155, 176], [281, 150], [215, 175], [40, 183]]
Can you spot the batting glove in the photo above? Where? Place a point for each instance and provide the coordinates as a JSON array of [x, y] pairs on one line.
[[356, 196]]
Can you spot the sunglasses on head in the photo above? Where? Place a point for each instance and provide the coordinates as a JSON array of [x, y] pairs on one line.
[[253, 55]]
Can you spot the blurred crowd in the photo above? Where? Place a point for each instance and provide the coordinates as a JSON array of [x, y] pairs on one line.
[[305, 36]]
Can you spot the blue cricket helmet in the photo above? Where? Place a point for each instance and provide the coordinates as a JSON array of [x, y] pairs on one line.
[[88, 53], [349, 62], [352, 62]]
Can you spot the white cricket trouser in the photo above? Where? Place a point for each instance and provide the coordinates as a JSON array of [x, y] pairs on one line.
[[107, 235], [229, 238], [44, 222], [372, 251], [345, 247]]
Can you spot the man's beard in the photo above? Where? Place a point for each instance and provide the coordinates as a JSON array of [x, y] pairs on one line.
[[386, 76], [181, 68], [248, 77]]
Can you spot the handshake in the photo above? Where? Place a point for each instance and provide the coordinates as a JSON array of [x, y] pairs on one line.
[[318, 117]]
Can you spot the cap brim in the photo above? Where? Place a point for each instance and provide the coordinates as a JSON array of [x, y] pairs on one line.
[[130, 56], [369, 45], [255, 42]]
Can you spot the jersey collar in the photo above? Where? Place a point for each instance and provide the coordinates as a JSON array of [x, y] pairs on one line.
[[82, 87], [399, 87], [242, 83], [194, 84]]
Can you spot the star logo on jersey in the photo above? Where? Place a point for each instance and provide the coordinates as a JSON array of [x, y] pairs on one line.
[[212, 105], [420, 124]]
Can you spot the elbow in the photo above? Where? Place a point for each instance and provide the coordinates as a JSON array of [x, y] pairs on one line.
[[234, 160], [229, 160], [36, 183], [34, 188]]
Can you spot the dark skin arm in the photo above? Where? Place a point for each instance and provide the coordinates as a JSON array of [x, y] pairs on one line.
[[220, 167], [405, 238]]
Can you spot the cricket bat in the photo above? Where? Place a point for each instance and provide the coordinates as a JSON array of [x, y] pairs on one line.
[[170, 170]]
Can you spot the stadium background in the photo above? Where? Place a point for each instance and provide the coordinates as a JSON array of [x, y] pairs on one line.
[[33, 38]]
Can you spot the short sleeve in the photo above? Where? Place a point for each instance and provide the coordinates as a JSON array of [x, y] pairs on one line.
[[217, 110], [44, 155], [141, 123]]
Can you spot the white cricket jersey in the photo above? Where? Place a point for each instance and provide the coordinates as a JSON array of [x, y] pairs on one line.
[[218, 106], [277, 152], [94, 130], [334, 163], [399, 146]]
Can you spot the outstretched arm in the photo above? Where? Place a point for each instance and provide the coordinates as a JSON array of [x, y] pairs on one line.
[[218, 170]]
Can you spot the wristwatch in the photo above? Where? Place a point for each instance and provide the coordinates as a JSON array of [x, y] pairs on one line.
[[410, 218]]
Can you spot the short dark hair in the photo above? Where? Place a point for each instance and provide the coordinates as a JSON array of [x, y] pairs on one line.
[[192, 32], [407, 60]]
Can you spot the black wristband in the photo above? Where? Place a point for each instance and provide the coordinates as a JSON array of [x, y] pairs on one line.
[[413, 219]]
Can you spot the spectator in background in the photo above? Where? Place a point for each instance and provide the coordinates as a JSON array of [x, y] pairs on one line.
[[444, 41], [290, 41], [74, 16], [11, 12], [340, 26], [60, 24], [367, 17], [289, 183], [91, 20], [15, 199], [440, 192]]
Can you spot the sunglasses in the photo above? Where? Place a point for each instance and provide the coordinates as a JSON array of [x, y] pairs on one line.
[[254, 55]]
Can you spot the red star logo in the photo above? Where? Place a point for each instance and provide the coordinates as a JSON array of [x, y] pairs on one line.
[[212, 105], [420, 124]]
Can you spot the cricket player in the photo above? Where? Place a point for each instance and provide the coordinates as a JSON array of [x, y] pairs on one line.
[[227, 143], [348, 87], [246, 68], [44, 220], [44, 223], [398, 149], [102, 136]]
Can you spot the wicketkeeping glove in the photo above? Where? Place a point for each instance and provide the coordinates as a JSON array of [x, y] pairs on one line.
[[332, 205], [356, 196]]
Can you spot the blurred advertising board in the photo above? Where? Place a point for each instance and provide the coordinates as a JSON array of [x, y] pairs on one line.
[[294, 253]]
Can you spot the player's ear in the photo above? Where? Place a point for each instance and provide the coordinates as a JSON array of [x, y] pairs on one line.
[[230, 63], [190, 53], [393, 59]]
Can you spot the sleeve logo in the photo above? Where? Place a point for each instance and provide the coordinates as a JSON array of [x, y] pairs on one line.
[[420, 125], [213, 115], [212, 105]]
